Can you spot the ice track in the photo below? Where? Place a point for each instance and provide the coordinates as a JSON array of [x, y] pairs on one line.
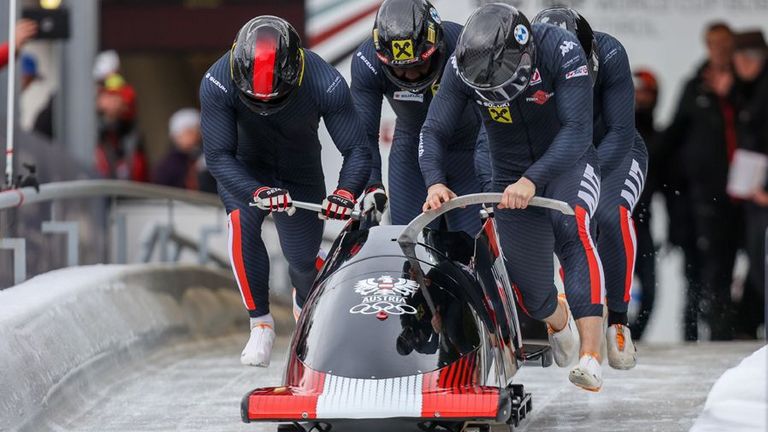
[[197, 386]]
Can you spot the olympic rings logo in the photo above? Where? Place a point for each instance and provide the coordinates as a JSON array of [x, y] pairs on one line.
[[383, 306]]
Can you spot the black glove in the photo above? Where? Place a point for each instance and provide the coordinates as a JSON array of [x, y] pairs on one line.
[[338, 205], [375, 199], [274, 199]]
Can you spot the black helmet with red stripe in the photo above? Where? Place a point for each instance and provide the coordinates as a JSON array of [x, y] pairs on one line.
[[266, 63], [408, 37]]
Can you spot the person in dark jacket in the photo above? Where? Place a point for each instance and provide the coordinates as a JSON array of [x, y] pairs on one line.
[[752, 127], [646, 97], [179, 167], [704, 129], [120, 149]]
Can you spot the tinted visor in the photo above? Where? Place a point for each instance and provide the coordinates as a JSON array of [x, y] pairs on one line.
[[266, 106], [436, 62], [512, 87]]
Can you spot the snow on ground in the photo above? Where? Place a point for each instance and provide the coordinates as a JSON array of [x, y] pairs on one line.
[[198, 386], [739, 399]]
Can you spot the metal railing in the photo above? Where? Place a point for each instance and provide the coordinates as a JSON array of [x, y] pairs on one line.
[[102, 188], [162, 237]]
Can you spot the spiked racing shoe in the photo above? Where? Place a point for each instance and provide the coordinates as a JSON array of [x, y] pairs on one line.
[[258, 350], [565, 342], [588, 373], [622, 353]]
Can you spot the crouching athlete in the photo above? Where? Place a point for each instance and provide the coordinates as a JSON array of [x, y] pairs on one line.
[[623, 159], [532, 88], [404, 62], [261, 105]]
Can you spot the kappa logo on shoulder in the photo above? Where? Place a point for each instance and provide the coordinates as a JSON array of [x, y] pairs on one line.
[[566, 47], [500, 114]]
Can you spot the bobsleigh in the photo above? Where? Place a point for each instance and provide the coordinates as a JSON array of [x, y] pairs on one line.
[[407, 327]]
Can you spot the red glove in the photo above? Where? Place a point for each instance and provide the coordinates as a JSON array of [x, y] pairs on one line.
[[273, 199], [338, 205]]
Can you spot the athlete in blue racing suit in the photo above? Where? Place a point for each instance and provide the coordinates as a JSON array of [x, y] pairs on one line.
[[623, 159], [261, 105], [409, 81], [533, 90]]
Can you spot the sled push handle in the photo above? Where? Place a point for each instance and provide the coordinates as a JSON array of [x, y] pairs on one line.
[[417, 225], [317, 208]]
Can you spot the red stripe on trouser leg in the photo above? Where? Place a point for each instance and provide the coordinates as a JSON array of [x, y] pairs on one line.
[[238, 264], [264, 53], [520, 299], [628, 236], [582, 219], [562, 274]]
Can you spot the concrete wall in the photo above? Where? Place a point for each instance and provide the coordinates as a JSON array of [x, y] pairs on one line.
[[60, 327]]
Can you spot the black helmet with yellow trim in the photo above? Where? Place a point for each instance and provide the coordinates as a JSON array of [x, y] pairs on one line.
[[408, 37]]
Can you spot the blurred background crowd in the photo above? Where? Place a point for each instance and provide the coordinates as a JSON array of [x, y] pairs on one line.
[[147, 128]]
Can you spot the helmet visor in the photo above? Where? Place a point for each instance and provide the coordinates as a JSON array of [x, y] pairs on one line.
[[512, 87], [431, 69]]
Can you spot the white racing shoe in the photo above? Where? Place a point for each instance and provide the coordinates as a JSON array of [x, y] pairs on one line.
[[258, 350], [622, 353], [564, 343], [588, 374]]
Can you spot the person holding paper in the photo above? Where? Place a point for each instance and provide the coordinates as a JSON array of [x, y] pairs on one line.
[[751, 97]]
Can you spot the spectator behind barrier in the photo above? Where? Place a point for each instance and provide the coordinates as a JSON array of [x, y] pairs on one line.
[[25, 30], [179, 166], [752, 126], [106, 67], [34, 116], [646, 97], [120, 150], [702, 139]]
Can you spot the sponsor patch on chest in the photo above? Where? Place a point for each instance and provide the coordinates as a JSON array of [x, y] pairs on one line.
[[536, 77], [406, 96], [540, 97]]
